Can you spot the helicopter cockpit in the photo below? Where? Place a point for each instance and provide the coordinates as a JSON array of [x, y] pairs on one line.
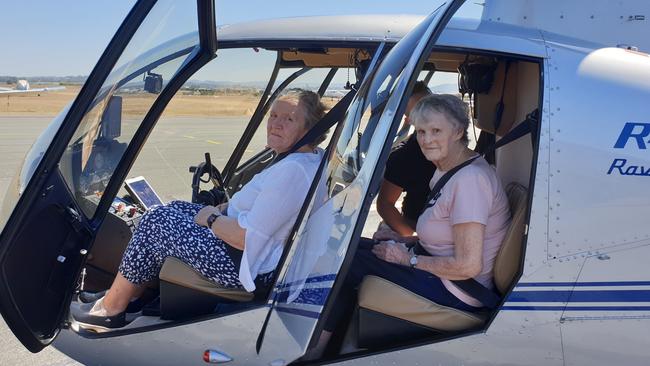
[[103, 137]]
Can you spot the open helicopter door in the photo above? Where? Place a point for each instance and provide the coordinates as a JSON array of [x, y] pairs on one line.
[[51, 221], [341, 197]]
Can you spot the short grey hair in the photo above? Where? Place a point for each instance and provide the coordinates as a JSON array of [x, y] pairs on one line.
[[312, 108], [452, 107]]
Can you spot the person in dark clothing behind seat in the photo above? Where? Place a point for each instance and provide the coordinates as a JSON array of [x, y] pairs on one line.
[[407, 170]]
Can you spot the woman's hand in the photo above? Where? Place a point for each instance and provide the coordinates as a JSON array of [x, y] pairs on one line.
[[386, 234], [222, 207], [201, 218], [392, 253]]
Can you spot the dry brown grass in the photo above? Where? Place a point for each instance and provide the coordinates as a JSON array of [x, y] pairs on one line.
[[51, 103], [36, 104]]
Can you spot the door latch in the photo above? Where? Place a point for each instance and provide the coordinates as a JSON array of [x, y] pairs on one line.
[[74, 218]]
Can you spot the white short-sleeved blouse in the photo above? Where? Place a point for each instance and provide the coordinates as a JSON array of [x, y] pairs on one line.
[[267, 208]]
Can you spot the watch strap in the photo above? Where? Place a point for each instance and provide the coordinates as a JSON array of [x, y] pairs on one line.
[[212, 218]]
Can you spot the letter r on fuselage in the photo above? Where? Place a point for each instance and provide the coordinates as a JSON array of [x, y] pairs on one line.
[[628, 133]]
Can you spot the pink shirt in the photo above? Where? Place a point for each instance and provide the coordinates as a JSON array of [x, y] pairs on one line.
[[473, 194]]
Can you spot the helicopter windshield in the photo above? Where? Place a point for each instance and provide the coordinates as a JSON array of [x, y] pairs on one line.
[[165, 41]]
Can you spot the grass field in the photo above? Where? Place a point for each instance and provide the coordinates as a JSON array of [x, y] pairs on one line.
[[51, 103]]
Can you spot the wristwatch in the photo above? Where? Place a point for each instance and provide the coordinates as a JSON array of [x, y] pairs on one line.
[[212, 218], [413, 261]]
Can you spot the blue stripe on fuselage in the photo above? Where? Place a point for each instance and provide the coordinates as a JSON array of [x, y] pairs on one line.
[[580, 296], [574, 308], [317, 296], [583, 284]]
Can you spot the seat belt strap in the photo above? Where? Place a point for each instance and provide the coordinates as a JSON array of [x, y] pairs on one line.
[[333, 116], [434, 194], [475, 289], [525, 127], [470, 286]]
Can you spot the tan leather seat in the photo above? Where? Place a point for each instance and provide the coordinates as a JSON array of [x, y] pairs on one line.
[[176, 272], [382, 296]]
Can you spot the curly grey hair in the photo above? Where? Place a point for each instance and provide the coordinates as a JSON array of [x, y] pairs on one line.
[[452, 107]]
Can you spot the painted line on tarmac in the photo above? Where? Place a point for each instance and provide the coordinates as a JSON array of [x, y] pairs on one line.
[[189, 137], [213, 142]]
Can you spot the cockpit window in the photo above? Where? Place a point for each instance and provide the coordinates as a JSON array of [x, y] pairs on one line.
[[167, 38], [364, 114]]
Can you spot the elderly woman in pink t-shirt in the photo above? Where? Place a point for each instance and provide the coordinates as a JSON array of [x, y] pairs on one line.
[[460, 230]]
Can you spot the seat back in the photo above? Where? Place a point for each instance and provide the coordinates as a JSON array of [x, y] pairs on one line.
[[508, 258]]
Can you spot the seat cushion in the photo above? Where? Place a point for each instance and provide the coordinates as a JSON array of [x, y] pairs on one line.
[[179, 273], [380, 295]]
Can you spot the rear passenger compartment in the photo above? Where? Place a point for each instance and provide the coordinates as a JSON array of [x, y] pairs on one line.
[[389, 316]]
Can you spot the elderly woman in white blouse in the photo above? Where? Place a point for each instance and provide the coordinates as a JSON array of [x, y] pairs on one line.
[[235, 244]]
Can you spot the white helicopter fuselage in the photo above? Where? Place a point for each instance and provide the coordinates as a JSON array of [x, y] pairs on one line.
[[584, 293]]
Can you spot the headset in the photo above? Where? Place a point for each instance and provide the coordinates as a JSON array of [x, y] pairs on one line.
[[475, 77]]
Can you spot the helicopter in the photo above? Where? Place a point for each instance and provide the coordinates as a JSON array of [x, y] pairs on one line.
[[570, 144]]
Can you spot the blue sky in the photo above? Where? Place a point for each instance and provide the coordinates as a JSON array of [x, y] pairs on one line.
[[66, 37]]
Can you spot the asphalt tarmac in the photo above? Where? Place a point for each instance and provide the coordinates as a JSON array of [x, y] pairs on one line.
[[174, 145]]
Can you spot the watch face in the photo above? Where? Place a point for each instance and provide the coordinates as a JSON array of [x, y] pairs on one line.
[[414, 260]]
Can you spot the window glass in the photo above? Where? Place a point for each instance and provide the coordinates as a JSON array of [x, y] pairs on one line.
[[446, 82], [208, 114], [310, 80], [364, 114], [165, 40], [323, 239], [438, 82]]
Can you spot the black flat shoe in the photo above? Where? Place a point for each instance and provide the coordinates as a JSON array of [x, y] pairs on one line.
[[86, 297], [81, 314]]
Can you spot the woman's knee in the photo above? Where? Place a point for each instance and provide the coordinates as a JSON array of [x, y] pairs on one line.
[[159, 215], [185, 207], [363, 264]]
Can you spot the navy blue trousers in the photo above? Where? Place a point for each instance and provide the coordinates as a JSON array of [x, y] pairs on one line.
[[366, 263]]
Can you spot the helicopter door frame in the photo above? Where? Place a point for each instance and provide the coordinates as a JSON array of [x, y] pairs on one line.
[[295, 323], [47, 228]]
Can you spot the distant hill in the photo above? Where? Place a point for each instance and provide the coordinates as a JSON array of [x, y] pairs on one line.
[[79, 79], [449, 88]]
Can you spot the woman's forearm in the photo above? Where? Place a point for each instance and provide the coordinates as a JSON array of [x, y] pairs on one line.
[[387, 198], [394, 219], [467, 261], [228, 229], [446, 267]]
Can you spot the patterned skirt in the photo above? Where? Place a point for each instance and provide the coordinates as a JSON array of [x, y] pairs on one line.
[[170, 231]]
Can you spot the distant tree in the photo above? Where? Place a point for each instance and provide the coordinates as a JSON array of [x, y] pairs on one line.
[[8, 79]]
